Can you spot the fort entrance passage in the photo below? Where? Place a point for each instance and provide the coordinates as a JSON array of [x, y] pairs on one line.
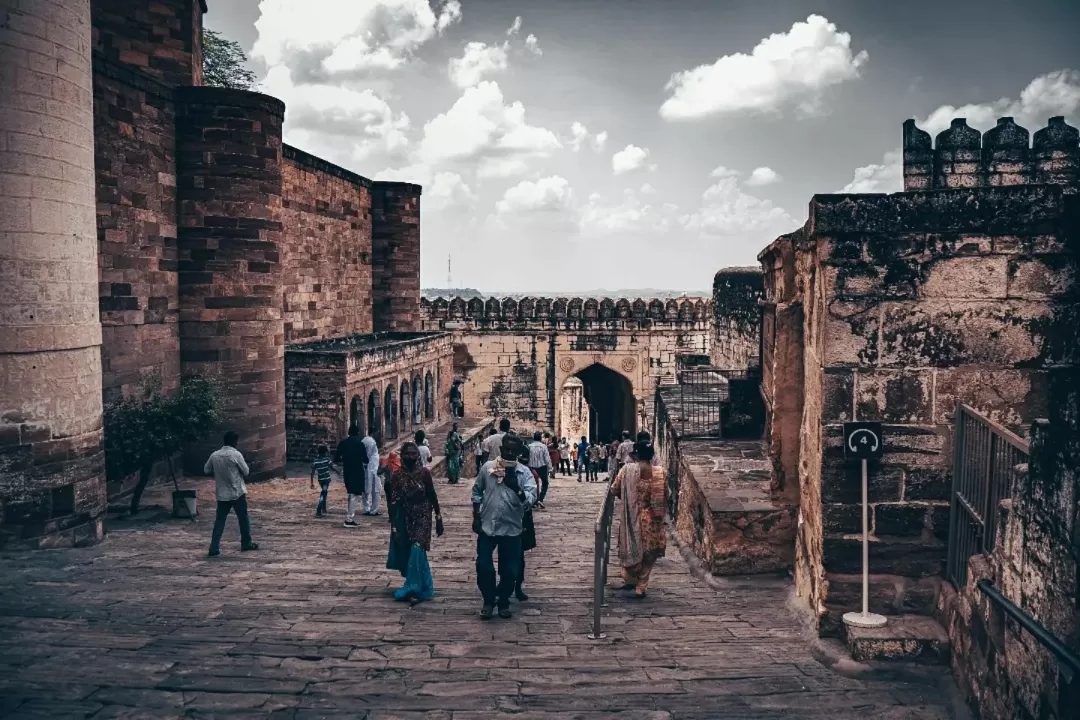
[[611, 402]]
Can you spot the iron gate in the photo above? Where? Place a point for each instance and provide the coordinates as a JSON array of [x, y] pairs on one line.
[[984, 467]]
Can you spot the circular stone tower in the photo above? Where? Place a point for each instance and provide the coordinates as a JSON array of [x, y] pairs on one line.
[[52, 489], [228, 147]]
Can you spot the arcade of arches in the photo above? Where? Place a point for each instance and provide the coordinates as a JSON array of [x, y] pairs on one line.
[[393, 414]]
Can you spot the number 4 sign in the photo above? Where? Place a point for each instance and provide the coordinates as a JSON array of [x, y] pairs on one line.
[[863, 441]]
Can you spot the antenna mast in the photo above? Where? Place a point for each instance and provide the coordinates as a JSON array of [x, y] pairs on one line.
[[449, 281]]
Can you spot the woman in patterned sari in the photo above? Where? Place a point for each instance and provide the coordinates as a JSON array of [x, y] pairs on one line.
[[642, 538], [411, 500]]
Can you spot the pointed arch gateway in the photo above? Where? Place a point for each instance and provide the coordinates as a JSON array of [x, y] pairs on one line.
[[609, 396]]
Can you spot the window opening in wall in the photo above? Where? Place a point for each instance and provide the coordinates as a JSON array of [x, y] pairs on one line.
[[405, 403], [373, 414], [356, 418], [391, 416], [417, 400]]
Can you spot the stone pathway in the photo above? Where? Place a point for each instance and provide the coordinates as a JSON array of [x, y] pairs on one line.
[[144, 626]]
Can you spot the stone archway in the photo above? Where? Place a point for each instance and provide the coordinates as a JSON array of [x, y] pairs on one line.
[[611, 402]]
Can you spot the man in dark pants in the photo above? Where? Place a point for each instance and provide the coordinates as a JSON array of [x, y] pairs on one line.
[[504, 489], [540, 461], [352, 454], [229, 469]]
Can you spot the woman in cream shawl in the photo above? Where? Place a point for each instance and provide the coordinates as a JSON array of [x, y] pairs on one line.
[[642, 538]]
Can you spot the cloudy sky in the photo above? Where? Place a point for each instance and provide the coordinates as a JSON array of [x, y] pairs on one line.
[[570, 145]]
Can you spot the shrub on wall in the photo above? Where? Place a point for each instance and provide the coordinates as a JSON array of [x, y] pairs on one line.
[[150, 426]]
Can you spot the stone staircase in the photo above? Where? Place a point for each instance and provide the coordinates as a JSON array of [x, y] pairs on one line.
[[471, 429]]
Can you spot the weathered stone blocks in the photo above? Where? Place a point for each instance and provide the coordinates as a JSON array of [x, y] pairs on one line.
[[52, 488], [229, 189], [395, 238]]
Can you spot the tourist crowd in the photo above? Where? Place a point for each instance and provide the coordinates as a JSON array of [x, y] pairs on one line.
[[513, 478]]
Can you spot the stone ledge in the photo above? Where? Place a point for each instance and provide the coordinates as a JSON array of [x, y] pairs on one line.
[[749, 532], [910, 638]]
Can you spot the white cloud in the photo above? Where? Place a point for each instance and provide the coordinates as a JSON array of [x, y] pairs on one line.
[[478, 60], [342, 125], [533, 45], [361, 37], [629, 216], [580, 135], [726, 211], [763, 176], [886, 177], [1054, 93], [629, 158], [515, 28], [481, 129], [546, 195], [448, 191], [792, 67], [723, 172], [647, 189]]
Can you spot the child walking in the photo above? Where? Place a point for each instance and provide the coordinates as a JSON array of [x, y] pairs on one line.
[[321, 466]]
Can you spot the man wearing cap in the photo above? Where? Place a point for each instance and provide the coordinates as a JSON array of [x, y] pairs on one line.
[[504, 490]]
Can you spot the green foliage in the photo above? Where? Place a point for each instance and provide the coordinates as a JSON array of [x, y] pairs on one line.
[[224, 63], [143, 429]]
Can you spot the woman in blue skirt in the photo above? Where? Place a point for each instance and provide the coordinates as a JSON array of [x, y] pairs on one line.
[[412, 501]]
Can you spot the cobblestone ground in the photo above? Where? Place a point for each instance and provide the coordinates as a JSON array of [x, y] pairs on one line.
[[144, 625]]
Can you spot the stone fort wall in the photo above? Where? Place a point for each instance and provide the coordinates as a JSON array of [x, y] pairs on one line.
[[894, 308], [214, 246], [516, 355]]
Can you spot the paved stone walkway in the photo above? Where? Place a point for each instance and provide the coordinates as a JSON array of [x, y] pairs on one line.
[[145, 626]]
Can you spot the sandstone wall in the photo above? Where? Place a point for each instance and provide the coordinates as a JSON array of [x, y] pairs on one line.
[[515, 357], [395, 233], [331, 384], [326, 249], [135, 164], [737, 329], [160, 39], [229, 190], [574, 413], [913, 302], [52, 489]]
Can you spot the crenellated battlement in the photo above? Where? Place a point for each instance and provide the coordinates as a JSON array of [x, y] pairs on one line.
[[962, 157], [532, 310]]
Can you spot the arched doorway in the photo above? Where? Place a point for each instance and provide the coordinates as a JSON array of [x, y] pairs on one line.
[[391, 416], [429, 397], [356, 416], [373, 414], [417, 400], [610, 398], [573, 411], [405, 403]]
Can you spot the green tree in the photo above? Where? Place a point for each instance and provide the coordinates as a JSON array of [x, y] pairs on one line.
[[224, 63], [146, 428]]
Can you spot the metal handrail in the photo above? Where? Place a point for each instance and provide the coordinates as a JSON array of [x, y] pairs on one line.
[[601, 550], [1067, 659]]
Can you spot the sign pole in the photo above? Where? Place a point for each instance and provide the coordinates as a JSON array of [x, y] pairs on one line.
[[863, 441], [865, 544]]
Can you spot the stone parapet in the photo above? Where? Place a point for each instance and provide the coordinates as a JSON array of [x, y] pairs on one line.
[[570, 313], [737, 292], [961, 157], [52, 488], [229, 189]]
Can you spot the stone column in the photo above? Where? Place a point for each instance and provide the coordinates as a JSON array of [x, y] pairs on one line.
[[52, 489], [395, 256], [228, 147]]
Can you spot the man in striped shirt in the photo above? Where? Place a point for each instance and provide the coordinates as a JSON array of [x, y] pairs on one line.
[[321, 466]]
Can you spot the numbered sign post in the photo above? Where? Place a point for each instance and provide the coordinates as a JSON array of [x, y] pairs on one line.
[[863, 441]]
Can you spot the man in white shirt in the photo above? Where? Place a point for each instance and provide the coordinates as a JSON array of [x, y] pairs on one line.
[[229, 469], [622, 456], [540, 461], [372, 481], [493, 444]]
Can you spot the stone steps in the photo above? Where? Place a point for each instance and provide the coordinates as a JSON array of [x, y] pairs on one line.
[[906, 638]]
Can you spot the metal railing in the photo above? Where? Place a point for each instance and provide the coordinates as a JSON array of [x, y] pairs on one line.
[[703, 392], [1068, 660], [985, 456], [601, 550]]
